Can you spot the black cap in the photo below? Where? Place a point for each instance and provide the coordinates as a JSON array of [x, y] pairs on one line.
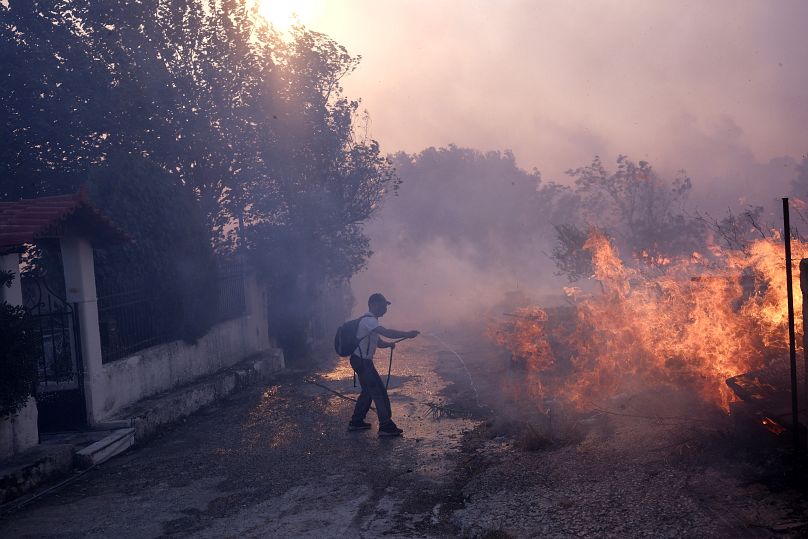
[[377, 298]]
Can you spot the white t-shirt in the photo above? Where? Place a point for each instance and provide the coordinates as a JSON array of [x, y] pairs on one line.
[[368, 339]]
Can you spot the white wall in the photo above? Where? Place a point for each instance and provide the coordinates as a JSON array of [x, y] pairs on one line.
[[19, 432], [165, 366]]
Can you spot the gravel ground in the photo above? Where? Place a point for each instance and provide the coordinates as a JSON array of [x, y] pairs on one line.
[[277, 461], [652, 464]]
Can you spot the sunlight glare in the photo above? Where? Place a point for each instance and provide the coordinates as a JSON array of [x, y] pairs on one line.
[[282, 14]]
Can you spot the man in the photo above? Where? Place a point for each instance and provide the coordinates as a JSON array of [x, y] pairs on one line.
[[373, 388]]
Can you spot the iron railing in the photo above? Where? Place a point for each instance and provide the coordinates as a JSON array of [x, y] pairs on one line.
[[59, 390], [231, 300], [132, 320], [128, 322], [55, 332]]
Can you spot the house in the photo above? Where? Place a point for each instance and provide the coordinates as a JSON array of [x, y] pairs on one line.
[[89, 373]]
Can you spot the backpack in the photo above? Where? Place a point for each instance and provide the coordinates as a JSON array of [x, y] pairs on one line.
[[345, 341]]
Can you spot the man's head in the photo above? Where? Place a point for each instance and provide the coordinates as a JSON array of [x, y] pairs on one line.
[[377, 304]]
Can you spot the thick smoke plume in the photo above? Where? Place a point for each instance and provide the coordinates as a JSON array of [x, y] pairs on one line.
[[465, 228]]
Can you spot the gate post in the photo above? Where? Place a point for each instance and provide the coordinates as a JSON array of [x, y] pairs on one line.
[[77, 260]]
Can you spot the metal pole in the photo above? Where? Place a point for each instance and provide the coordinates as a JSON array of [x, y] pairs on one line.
[[804, 289], [792, 347]]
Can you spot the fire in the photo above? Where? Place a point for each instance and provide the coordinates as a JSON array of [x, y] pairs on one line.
[[531, 342], [525, 337], [685, 323]]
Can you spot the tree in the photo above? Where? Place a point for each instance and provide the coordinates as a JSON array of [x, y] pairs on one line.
[[255, 128], [644, 213], [52, 95], [17, 354], [738, 231], [168, 79], [569, 255], [171, 255], [320, 183]]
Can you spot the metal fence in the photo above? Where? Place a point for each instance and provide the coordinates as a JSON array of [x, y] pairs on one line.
[[55, 329], [128, 323], [132, 320], [231, 299]]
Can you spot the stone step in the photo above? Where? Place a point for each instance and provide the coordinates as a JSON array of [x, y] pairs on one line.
[[113, 444]]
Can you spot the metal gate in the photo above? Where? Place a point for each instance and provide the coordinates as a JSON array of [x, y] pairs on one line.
[[60, 383]]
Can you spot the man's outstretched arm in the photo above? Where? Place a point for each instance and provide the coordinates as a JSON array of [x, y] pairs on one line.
[[396, 334]]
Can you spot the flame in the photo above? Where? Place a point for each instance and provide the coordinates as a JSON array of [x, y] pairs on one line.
[[530, 343], [772, 425], [683, 323]]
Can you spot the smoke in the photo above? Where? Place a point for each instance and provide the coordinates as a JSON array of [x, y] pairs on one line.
[[714, 89], [467, 236], [717, 90], [707, 87], [466, 230], [725, 171], [438, 286]]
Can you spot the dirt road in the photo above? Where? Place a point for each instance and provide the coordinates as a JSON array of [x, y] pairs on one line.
[[277, 461]]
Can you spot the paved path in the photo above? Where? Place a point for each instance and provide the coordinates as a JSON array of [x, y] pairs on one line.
[[274, 461]]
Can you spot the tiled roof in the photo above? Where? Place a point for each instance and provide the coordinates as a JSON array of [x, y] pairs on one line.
[[27, 220]]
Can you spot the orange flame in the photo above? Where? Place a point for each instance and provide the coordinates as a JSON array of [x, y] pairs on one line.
[[688, 324]]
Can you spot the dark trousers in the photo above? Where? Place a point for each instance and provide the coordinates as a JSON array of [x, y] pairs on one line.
[[372, 390]]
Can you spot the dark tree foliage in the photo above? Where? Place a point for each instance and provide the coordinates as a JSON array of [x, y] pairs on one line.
[[171, 258], [52, 91], [644, 214], [643, 211], [17, 354], [302, 221], [568, 253], [256, 127], [168, 79]]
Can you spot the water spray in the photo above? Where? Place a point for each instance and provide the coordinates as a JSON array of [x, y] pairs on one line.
[[463, 363]]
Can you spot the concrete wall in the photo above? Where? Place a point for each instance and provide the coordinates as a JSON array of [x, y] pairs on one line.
[[165, 366], [19, 432]]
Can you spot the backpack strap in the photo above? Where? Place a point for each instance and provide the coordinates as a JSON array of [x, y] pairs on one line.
[[359, 343]]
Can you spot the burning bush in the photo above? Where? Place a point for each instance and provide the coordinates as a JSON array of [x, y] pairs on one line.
[[525, 337], [689, 323]]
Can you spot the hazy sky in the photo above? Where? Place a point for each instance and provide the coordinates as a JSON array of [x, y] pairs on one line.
[[710, 86], [719, 88]]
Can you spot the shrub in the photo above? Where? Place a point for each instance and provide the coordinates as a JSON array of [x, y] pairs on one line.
[[17, 355]]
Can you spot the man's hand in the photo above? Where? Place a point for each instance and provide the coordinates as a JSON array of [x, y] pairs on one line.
[[413, 334]]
